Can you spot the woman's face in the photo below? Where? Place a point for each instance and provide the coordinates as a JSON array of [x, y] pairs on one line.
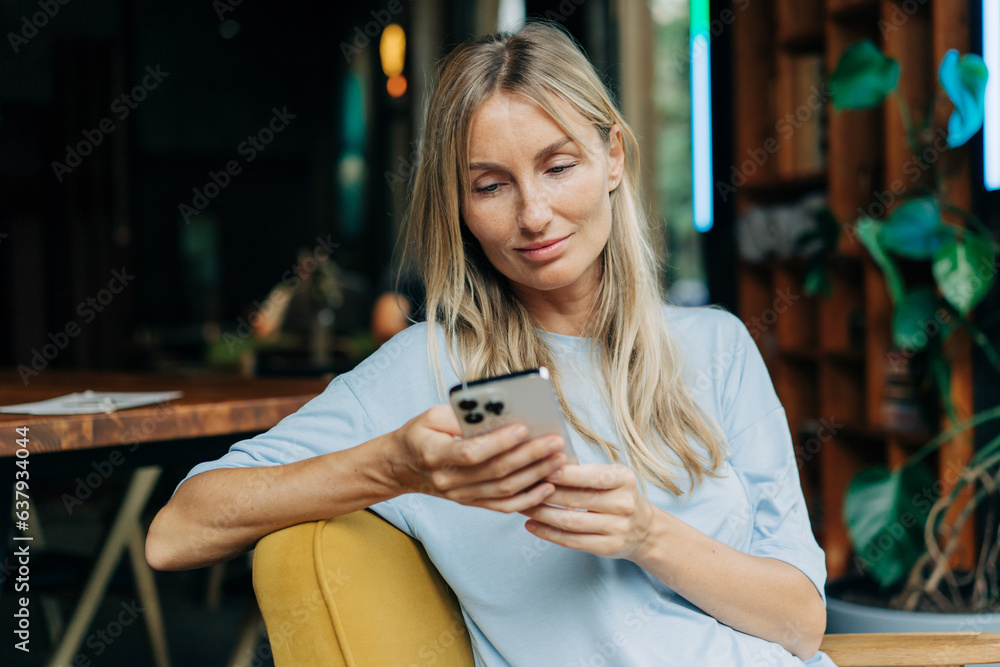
[[539, 204]]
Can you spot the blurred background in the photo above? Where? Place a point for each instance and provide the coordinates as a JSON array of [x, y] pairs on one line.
[[119, 121], [214, 188]]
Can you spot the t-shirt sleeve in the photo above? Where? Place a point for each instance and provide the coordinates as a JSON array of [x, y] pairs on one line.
[[763, 458], [333, 421], [380, 394]]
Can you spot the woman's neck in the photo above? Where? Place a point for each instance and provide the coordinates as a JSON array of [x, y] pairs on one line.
[[566, 311]]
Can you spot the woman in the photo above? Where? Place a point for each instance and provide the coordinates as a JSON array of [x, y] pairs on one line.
[[695, 548]]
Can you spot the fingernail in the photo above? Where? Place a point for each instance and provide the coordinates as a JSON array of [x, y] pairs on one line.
[[521, 431], [556, 475]]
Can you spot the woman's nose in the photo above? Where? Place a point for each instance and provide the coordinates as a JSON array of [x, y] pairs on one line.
[[535, 210]]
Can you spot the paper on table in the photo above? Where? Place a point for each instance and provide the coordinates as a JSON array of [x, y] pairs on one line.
[[91, 402]]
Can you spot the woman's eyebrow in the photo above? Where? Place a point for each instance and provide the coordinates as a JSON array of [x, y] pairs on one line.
[[548, 150]]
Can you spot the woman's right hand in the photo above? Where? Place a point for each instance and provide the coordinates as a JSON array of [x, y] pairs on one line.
[[499, 470]]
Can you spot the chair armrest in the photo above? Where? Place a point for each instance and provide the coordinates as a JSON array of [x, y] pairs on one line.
[[910, 649]]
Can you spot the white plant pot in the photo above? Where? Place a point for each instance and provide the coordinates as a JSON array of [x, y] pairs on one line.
[[842, 616]]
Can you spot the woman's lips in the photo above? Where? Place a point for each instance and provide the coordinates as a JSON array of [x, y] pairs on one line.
[[545, 252]]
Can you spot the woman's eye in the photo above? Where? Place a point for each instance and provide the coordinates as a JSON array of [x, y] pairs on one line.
[[492, 187], [561, 168]]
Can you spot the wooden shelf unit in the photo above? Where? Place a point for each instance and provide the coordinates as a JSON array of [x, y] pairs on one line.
[[827, 356]]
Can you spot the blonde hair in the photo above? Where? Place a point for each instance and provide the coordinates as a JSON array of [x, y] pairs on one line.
[[483, 318]]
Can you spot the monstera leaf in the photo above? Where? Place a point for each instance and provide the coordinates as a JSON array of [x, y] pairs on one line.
[[964, 80], [885, 513], [964, 270], [863, 77], [914, 230]]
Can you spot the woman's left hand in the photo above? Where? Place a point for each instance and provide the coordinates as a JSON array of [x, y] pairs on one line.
[[617, 520]]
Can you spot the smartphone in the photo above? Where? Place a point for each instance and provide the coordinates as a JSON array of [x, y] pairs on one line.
[[525, 397]]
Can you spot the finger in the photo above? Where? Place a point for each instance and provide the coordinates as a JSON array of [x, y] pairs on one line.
[[573, 521], [607, 501], [443, 418], [473, 451], [569, 539], [508, 462], [593, 476], [513, 483], [520, 502], [600, 545]]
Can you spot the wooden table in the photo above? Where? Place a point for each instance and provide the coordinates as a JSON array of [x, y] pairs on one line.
[[218, 406], [211, 405]]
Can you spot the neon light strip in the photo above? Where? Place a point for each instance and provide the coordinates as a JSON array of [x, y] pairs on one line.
[[991, 128], [701, 117]]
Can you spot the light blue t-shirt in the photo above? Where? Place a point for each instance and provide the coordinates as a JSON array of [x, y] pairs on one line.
[[529, 602]]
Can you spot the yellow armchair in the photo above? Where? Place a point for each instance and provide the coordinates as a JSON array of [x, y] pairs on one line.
[[355, 591]]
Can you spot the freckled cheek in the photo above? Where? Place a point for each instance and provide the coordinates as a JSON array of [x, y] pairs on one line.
[[490, 234], [493, 226], [584, 210]]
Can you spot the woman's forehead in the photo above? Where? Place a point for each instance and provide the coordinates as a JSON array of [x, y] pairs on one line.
[[506, 116]]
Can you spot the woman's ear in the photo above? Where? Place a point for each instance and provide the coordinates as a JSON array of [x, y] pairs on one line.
[[616, 157]]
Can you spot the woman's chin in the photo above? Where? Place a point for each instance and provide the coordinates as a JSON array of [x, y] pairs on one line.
[[548, 284]]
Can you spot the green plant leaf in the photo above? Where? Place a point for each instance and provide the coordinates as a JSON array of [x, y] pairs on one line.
[[914, 230], [817, 281], [867, 232], [964, 80], [912, 316], [964, 270], [885, 514], [863, 77]]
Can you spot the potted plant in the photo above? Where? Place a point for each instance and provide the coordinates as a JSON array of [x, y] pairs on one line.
[[938, 261]]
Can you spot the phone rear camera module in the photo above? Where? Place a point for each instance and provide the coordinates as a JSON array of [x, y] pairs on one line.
[[474, 417], [496, 407], [467, 404]]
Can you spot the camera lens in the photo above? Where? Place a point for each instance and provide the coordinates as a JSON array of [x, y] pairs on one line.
[[474, 417], [496, 407], [467, 404]]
